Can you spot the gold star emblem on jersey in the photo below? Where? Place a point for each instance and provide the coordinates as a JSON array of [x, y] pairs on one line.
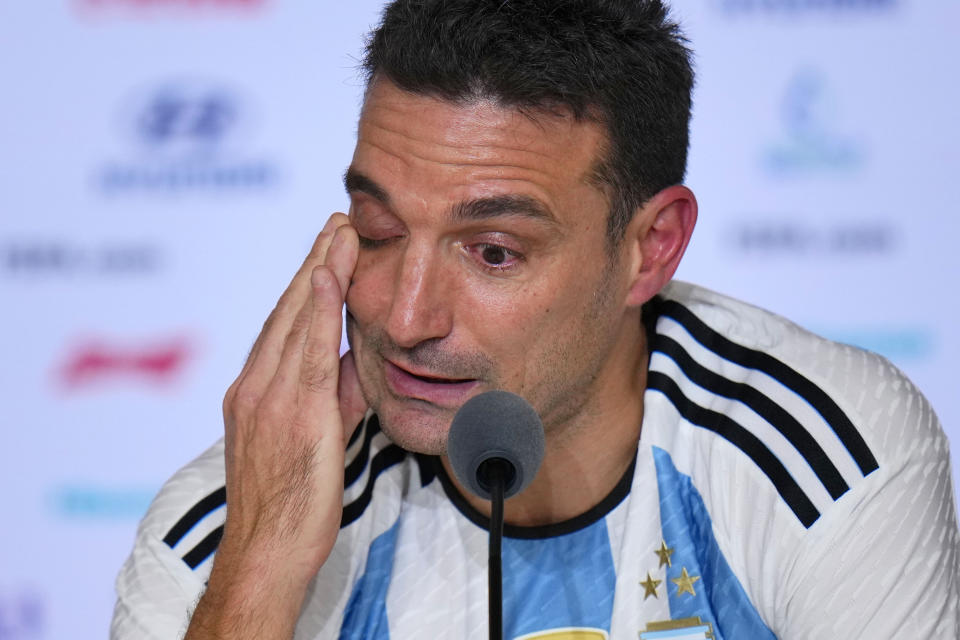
[[664, 554], [650, 586], [685, 583]]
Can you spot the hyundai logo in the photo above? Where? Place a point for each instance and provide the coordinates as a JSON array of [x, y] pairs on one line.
[[187, 118]]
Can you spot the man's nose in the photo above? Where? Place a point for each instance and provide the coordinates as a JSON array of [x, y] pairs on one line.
[[421, 305]]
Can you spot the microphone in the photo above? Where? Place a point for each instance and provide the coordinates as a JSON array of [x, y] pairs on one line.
[[495, 446], [490, 426]]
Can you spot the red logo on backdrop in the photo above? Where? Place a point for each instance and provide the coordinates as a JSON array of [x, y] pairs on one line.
[[178, 6], [95, 361]]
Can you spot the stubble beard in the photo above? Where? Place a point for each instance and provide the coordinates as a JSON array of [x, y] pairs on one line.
[[428, 434], [567, 405], [562, 398]]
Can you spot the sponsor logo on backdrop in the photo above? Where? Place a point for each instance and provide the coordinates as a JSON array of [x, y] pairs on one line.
[[22, 614], [796, 240], [90, 502], [154, 8], [810, 140], [54, 258], [799, 239], [793, 7], [188, 136], [901, 344], [94, 362]]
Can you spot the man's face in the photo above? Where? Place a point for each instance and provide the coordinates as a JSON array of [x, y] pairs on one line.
[[483, 263]]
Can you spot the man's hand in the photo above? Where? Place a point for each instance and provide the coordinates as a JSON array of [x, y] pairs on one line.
[[287, 417]]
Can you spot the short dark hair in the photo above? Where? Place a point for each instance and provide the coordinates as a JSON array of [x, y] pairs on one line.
[[620, 63]]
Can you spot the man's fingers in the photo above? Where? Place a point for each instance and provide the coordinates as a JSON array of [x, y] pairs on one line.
[[319, 370], [298, 291], [264, 358], [342, 256]]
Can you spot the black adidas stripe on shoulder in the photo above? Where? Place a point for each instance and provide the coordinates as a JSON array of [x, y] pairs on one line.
[[744, 440], [383, 460], [196, 513], [190, 519], [355, 468], [218, 498], [753, 359], [766, 408], [204, 548], [763, 406]]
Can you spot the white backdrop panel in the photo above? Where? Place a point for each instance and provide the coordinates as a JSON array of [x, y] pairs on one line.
[[166, 164]]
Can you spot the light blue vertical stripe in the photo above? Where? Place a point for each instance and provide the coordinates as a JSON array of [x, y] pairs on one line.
[[566, 581], [720, 598], [365, 617]]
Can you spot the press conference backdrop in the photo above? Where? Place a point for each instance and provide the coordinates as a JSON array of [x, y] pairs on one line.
[[165, 165]]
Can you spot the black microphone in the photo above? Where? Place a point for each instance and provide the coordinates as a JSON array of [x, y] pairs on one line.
[[495, 446], [495, 424]]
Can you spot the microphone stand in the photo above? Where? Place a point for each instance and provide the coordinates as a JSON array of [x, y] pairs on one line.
[[496, 470]]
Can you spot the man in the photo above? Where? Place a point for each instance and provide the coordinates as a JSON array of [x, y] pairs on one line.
[[711, 470]]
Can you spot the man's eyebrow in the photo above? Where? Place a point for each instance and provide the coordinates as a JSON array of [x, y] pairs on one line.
[[469, 210], [503, 205], [354, 181]]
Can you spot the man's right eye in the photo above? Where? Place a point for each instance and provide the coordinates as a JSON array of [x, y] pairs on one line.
[[373, 243], [375, 227]]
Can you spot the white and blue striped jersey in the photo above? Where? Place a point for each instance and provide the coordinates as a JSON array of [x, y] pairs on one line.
[[784, 486]]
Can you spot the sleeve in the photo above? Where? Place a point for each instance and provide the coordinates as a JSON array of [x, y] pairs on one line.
[[153, 601], [161, 582], [885, 561]]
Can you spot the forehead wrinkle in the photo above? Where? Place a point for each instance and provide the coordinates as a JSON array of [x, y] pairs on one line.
[[497, 166], [385, 127], [531, 207], [482, 153]]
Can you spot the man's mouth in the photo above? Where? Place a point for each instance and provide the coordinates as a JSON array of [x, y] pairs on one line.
[[428, 386]]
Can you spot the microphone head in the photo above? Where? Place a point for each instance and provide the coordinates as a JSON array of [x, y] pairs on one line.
[[495, 424]]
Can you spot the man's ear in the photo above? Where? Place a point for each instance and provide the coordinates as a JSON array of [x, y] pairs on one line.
[[656, 239]]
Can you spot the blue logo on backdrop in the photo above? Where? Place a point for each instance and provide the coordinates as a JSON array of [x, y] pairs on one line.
[[178, 122], [188, 136], [793, 7], [899, 344], [21, 615], [101, 503], [810, 141]]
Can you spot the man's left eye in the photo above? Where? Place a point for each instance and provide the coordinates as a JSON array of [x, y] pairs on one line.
[[496, 257], [493, 254]]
